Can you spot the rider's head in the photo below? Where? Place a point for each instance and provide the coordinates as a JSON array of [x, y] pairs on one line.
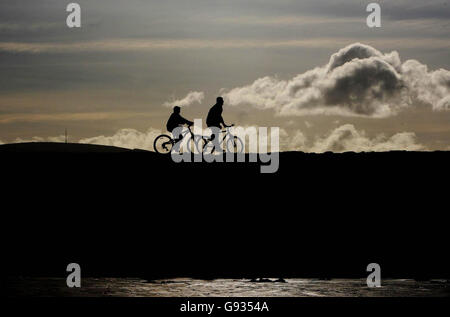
[[176, 109], [219, 100]]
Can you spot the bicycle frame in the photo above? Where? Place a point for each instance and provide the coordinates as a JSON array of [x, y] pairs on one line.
[[227, 134], [172, 141], [199, 141], [184, 133]]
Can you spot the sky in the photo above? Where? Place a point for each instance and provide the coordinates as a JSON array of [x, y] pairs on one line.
[[313, 68]]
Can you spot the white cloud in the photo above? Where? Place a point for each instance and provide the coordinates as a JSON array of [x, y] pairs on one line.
[[298, 141], [255, 141], [347, 138], [191, 98], [429, 87], [342, 139], [358, 81], [60, 138], [126, 138]]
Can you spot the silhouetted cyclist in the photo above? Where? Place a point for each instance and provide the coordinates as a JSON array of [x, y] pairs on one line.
[[214, 121], [174, 123]]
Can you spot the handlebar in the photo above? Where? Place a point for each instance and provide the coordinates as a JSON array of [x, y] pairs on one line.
[[226, 128]]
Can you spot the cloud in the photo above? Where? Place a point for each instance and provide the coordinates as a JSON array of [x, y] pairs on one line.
[[284, 20], [342, 139], [60, 138], [358, 81], [347, 138], [34, 27], [297, 142], [138, 45], [127, 138], [79, 116], [428, 87], [191, 98]]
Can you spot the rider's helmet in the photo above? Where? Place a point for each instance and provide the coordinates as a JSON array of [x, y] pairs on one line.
[[176, 109], [219, 100]]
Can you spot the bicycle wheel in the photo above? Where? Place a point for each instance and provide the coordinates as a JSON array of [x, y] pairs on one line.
[[163, 144], [235, 145], [209, 148], [200, 143], [190, 146], [206, 147], [195, 145]]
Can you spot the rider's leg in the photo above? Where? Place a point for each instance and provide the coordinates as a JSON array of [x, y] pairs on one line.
[[213, 137], [215, 133], [177, 137]]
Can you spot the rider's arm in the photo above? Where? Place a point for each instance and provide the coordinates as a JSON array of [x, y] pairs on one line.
[[223, 123], [185, 121]]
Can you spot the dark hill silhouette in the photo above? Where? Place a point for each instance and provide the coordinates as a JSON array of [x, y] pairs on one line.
[[134, 213]]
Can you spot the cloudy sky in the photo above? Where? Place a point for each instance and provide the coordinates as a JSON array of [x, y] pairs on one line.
[[311, 67]]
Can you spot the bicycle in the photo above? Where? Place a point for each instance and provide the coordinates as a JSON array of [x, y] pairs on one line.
[[233, 143], [164, 143]]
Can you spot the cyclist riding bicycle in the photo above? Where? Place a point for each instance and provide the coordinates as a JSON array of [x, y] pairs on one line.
[[165, 144], [174, 123], [215, 121]]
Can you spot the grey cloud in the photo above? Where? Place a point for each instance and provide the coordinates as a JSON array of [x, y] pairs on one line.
[[106, 19], [416, 9], [27, 27], [358, 81], [360, 51], [149, 45]]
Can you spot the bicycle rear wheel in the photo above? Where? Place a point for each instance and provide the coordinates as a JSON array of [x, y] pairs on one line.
[[163, 144]]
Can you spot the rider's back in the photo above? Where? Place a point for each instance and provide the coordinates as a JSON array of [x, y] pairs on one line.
[[214, 117], [174, 121]]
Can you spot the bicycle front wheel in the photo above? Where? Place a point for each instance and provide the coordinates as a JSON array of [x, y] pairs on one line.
[[191, 145], [163, 144], [235, 145]]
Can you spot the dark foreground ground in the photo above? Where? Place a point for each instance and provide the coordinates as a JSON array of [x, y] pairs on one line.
[[136, 214]]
